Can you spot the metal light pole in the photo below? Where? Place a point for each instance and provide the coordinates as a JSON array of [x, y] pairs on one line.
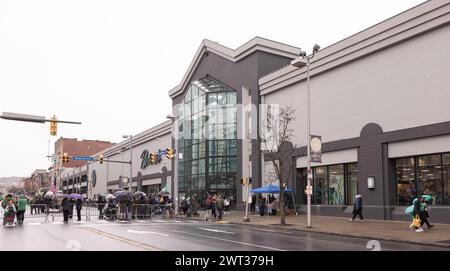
[[175, 169], [131, 161], [308, 148], [300, 62]]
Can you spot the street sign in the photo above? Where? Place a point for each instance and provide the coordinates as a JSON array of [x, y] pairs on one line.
[[309, 190], [83, 158]]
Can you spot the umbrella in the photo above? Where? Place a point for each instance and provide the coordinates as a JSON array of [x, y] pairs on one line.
[[163, 193], [61, 196], [427, 197], [49, 195], [109, 197], [409, 210], [75, 196], [140, 194], [123, 196]]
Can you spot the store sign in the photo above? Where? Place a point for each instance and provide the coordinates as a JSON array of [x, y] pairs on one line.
[[150, 158], [316, 149]]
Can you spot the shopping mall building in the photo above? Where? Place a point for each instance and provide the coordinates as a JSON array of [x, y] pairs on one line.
[[379, 101]]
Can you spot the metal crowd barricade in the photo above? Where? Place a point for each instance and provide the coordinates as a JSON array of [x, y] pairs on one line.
[[164, 210], [142, 211]]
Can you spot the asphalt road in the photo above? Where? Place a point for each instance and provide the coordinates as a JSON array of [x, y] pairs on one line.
[[178, 235]]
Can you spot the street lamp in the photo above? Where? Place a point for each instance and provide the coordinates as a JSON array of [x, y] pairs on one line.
[[131, 161], [299, 63], [175, 176]]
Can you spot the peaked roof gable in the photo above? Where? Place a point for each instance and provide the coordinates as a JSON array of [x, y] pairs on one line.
[[255, 44]]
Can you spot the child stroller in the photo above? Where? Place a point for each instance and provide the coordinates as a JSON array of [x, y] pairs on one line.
[[110, 212], [9, 217]]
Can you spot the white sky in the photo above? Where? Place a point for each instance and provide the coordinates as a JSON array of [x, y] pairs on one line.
[[110, 64]]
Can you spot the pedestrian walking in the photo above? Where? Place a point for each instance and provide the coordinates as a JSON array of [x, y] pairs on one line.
[[208, 205], [357, 209], [420, 211], [219, 206], [72, 204], [262, 206], [21, 207], [79, 204], [101, 202], [253, 204], [226, 204], [213, 206], [66, 209]]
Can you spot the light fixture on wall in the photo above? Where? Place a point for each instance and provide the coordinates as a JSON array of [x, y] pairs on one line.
[[371, 182]]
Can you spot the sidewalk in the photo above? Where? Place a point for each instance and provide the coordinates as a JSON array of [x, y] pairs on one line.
[[398, 231]]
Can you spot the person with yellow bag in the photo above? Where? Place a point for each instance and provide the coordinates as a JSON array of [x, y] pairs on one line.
[[416, 216]]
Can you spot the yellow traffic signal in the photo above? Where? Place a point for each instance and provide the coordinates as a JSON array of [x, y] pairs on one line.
[[153, 158], [243, 180], [101, 158], [53, 126], [169, 153], [65, 158]]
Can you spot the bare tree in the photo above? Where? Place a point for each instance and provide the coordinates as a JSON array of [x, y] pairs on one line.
[[277, 135]]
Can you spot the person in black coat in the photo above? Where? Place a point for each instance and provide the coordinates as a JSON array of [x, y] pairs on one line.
[[357, 209], [101, 202], [66, 209], [78, 205]]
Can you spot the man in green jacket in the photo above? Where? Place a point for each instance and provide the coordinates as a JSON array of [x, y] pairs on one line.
[[21, 207]]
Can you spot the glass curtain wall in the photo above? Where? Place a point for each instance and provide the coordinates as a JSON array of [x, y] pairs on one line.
[[208, 139]]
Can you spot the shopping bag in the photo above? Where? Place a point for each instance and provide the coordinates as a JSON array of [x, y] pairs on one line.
[[416, 221]]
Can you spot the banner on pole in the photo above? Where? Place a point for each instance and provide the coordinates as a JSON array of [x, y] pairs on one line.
[[316, 149]]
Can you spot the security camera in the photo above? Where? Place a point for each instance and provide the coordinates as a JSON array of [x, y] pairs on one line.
[[316, 48], [302, 53]]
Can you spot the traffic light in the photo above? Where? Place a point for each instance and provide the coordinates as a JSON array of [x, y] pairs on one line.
[[169, 153], [101, 158], [243, 181], [153, 158], [65, 158], [53, 126], [250, 180]]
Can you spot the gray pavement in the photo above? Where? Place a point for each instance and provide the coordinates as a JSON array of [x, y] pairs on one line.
[[179, 235]]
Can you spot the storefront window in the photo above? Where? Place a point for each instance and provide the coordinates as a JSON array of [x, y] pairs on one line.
[[320, 186], [336, 184], [423, 175], [406, 181], [430, 177], [352, 183], [446, 174]]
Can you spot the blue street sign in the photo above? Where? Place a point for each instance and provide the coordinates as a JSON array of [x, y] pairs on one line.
[[83, 158]]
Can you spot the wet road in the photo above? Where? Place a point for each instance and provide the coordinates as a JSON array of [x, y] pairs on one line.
[[178, 235]]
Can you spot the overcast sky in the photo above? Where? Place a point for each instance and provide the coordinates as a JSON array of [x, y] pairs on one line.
[[110, 64]]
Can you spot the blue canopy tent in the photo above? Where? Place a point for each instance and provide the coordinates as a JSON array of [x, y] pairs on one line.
[[274, 189]]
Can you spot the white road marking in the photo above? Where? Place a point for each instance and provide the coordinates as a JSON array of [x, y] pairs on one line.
[[57, 223], [206, 229], [34, 223], [258, 229], [147, 232], [231, 241]]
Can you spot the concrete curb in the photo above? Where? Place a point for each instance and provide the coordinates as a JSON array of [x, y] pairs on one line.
[[334, 233]]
